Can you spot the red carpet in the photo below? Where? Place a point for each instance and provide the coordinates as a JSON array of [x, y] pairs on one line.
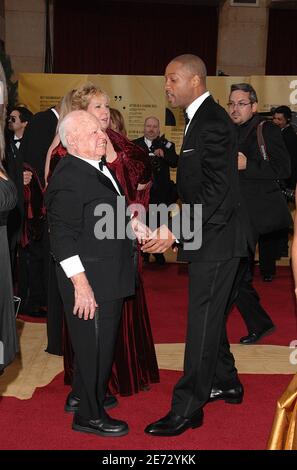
[[40, 423], [166, 290]]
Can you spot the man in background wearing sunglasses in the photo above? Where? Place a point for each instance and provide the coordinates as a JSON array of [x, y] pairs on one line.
[[17, 123], [257, 177]]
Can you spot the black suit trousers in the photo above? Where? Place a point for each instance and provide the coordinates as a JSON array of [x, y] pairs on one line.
[[210, 289], [248, 301], [93, 343]]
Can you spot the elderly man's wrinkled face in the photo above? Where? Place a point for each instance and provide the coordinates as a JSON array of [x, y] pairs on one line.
[[99, 107], [240, 107], [90, 140]]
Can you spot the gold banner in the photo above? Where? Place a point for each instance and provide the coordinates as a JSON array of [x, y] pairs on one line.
[[136, 97]]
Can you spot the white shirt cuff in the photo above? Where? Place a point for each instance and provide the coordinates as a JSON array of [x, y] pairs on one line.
[[72, 266]]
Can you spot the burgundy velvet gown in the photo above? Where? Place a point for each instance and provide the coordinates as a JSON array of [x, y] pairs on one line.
[[135, 364]]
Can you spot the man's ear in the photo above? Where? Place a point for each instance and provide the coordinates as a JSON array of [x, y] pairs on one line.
[[254, 107], [71, 139], [196, 81]]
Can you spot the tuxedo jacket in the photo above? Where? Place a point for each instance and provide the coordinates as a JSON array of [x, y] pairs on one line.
[[14, 167], [162, 186], [75, 190], [207, 174], [37, 139]]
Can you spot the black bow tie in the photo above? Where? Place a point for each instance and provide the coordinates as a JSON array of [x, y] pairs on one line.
[[187, 119], [15, 141], [102, 162]]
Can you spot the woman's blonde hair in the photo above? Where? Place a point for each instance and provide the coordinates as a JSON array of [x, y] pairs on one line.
[[83, 95], [66, 105]]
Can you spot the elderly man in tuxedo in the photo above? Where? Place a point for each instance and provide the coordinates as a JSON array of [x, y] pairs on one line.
[[94, 272], [207, 175]]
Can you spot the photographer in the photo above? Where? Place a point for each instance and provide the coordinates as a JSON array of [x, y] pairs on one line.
[[163, 156]]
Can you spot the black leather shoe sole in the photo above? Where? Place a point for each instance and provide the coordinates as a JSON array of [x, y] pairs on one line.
[[88, 430], [231, 401]]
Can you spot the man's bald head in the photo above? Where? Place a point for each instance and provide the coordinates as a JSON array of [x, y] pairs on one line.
[[194, 64], [74, 123], [185, 80]]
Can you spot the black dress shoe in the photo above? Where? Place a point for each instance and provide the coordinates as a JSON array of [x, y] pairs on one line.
[[254, 337], [173, 424], [71, 405], [267, 278], [232, 395], [105, 426]]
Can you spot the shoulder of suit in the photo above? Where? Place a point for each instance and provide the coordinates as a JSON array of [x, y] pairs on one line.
[[270, 128], [138, 140]]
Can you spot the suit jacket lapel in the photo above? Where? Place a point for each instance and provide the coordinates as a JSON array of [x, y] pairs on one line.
[[198, 116], [85, 166]]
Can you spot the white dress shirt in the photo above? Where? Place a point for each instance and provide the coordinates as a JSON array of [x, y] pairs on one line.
[[73, 265], [192, 108]]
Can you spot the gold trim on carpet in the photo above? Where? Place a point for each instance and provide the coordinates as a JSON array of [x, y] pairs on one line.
[[33, 367], [252, 359], [36, 368]]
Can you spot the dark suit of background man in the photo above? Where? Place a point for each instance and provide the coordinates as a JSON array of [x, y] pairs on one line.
[[282, 117], [207, 174], [93, 274], [163, 156], [18, 120], [35, 144], [257, 184]]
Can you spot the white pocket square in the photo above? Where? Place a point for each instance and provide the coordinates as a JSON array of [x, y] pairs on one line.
[[188, 150]]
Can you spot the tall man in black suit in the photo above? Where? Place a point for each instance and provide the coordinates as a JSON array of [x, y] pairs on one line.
[[94, 272], [34, 146], [39, 136], [207, 174], [163, 157]]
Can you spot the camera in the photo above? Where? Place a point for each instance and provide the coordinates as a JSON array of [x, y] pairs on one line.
[[159, 143]]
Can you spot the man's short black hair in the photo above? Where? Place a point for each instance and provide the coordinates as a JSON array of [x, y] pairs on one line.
[[25, 113], [247, 88], [285, 110]]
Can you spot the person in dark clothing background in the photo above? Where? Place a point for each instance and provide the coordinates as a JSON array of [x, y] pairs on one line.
[[18, 120], [163, 157], [282, 117], [258, 185]]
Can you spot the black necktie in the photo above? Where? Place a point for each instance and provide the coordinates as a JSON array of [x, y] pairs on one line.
[[187, 119], [102, 162]]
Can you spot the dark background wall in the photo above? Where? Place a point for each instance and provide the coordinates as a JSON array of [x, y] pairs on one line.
[[281, 58], [131, 37]]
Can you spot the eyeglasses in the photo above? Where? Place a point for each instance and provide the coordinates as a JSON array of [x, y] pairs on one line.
[[12, 118], [240, 104]]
